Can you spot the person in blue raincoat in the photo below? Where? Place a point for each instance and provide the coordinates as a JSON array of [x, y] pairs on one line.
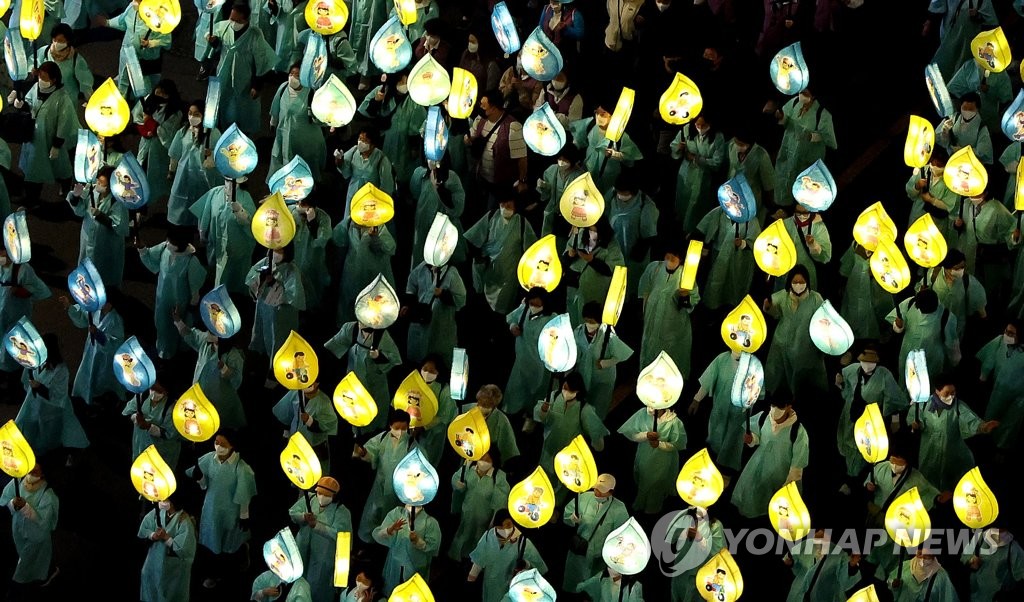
[[479, 490], [591, 255], [750, 159], [34, 507], [280, 22], [310, 413], [731, 249], [437, 189], [781, 456], [994, 90], [808, 133], [865, 303], [657, 456], [703, 152], [319, 523], [794, 363], [961, 21], [411, 547], [45, 159], [190, 166], [959, 292], [604, 159], [929, 193], [46, 418], [592, 515], [567, 167], [633, 215], [383, 452], [341, 58], [368, 16], [77, 77], [811, 239], [503, 438], [371, 355], [149, 46], [219, 370], [104, 227], [966, 128], [435, 295], [312, 233], [167, 571], [564, 414], [1002, 364], [599, 349], [280, 297], [365, 163], [727, 421], [19, 288], [996, 562], [926, 324], [225, 216], [157, 118], [362, 590], [94, 378], [923, 578], [179, 277], [502, 552], [404, 119], [368, 252], [434, 437], [298, 132], [496, 243], [526, 382], [666, 310], [152, 421]]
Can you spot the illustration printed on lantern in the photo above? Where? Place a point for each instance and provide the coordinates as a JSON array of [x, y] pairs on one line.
[[411, 485], [217, 315], [294, 188], [743, 331], [234, 153], [716, 584], [192, 427], [156, 15], [9, 463], [751, 388], [1018, 121], [680, 105], [294, 469], [552, 345], [532, 505], [973, 512], [732, 204], [299, 370], [889, 275], [413, 404], [579, 205], [987, 53], [814, 192], [323, 17], [533, 56], [25, 354], [391, 46], [962, 178], [655, 387], [771, 259], [127, 363], [464, 441], [573, 470], [319, 67], [784, 78], [278, 561], [867, 438], [148, 484], [92, 158], [271, 227], [128, 188], [11, 232], [622, 550], [782, 510], [920, 252], [369, 210]]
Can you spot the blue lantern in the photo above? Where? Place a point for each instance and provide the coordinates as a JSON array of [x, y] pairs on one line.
[[282, 556], [16, 237], [737, 199], [294, 180], [212, 106], [235, 154], [136, 80], [24, 344], [541, 58], [435, 134], [220, 314], [133, 368], [313, 68], [543, 132], [129, 183], [748, 382], [460, 374], [415, 480], [815, 188], [918, 384], [390, 50], [1013, 119], [88, 156], [86, 286], [937, 90], [504, 29], [789, 70], [530, 586], [17, 53]]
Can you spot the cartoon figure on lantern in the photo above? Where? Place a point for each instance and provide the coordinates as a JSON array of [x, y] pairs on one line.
[[542, 274], [549, 349], [771, 259], [293, 187], [377, 306], [987, 53], [323, 16], [533, 58], [191, 423], [299, 370], [680, 105], [650, 381], [12, 235], [217, 314], [1018, 120], [782, 510], [889, 275], [922, 254], [279, 559], [732, 204], [579, 206], [783, 80], [234, 152], [464, 440], [391, 45], [410, 486], [26, 355], [751, 389], [813, 190], [867, 438], [413, 405], [84, 290], [744, 331], [294, 468], [271, 231], [128, 185], [716, 584], [128, 369], [961, 179], [973, 512], [622, 551], [370, 210], [531, 505], [9, 462], [573, 471], [319, 67], [92, 158], [148, 486]]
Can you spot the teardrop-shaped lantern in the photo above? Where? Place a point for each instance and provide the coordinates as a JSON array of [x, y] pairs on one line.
[[924, 242], [133, 368], [18, 56], [429, 83], [313, 67], [889, 267], [964, 174], [616, 296], [557, 344], [918, 384], [789, 71], [531, 502], [620, 116], [530, 586], [296, 366], [868, 594], [744, 328], [870, 435], [212, 106], [462, 98], [377, 305], [720, 580], [540, 266], [88, 156], [195, 418], [441, 240], [1012, 122], [162, 16], [342, 563], [435, 134], [1018, 189], [353, 402], [788, 513], [937, 91], [300, 462], [815, 188], [575, 467], [406, 11], [627, 549], [917, 150], [872, 225], [415, 481], [413, 590], [16, 456], [504, 28], [129, 183], [152, 477], [774, 251], [282, 556], [86, 286], [991, 50], [294, 181], [326, 17], [700, 482], [747, 382], [690, 264], [17, 240], [907, 520], [333, 103], [460, 374], [659, 384], [371, 207], [416, 397], [681, 102], [830, 333], [31, 18], [540, 57], [543, 132], [469, 436], [272, 224], [737, 200], [24, 344], [975, 504], [235, 154], [107, 113], [219, 313], [581, 204], [390, 50]]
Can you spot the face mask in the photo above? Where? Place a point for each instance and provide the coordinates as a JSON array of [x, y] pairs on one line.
[[703, 131], [937, 171], [324, 499], [294, 83], [507, 213], [158, 397], [431, 41], [45, 87], [236, 26], [428, 376], [485, 411], [1009, 339], [221, 450], [397, 433], [32, 479], [805, 99], [820, 546], [504, 533], [662, 7], [534, 310], [361, 587], [402, 88], [602, 121], [165, 506], [948, 400], [968, 115], [195, 120], [100, 190], [483, 466], [868, 367], [591, 327], [568, 395], [624, 197], [778, 413], [563, 165], [363, 147], [799, 287], [897, 468], [557, 85], [957, 273], [278, 257], [59, 46], [472, 47]]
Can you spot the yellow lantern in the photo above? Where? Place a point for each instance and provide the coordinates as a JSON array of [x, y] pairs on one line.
[[907, 520], [744, 328], [991, 51], [539, 266], [406, 11], [659, 385], [17, 459], [107, 113], [582, 203], [413, 590], [788, 513], [575, 466], [377, 304], [616, 296], [964, 174], [974, 502], [272, 224], [326, 17], [342, 551], [31, 19], [1018, 193], [531, 502], [152, 477], [719, 580], [699, 482], [4, 5], [889, 267], [870, 435], [867, 594], [371, 207], [300, 463], [774, 251], [690, 265], [195, 418], [462, 98], [333, 102], [162, 16], [469, 436], [353, 402], [681, 102], [917, 150], [428, 81], [620, 116], [924, 242], [416, 397], [295, 363], [872, 225]]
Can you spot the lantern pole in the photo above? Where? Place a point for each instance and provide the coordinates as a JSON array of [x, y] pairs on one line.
[[462, 477], [654, 426], [899, 567], [156, 512], [746, 420], [17, 487], [309, 505], [604, 344], [412, 518]]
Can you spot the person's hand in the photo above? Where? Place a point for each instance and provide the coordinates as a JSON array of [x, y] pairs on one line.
[[815, 137], [271, 592], [574, 518], [64, 302], [374, 354], [809, 240], [1016, 236], [471, 578], [779, 114], [144, 43], [545, 407], [690, 156], [896, 583], [93, 329], [396, 526], [460, 485], [516, 331], [653, 436], [587, 257], [175, 314], [12, 96], [213, 40], [915, 426], [988, 427], [54, 152], [359, 451], [466, 140], [521, 187], [253, 93], [160, 534], [927, 27], [571, 252], [303, 417], [944, 497], [855, 560], [767, 305], [682, 292], [748, 438], [310, 518], [959, 224], [839, 380], [438, 291], [920, 184], [310, 214], [18, 502], [974, 563], [898, 323], [220, 364], [694, 407], [413, 537], [737, 242], [871, 487]]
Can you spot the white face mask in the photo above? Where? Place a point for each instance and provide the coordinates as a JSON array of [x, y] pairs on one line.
[[195, 120], [602, 120], [360, 587], [45, 87], [968, 115], [1009, 339], [221, 450], [236, 26], [472, 47], [957, 273], [568, 395], [483, 467], [59, 46], [428, 376], [948, 399], [534, 310], [431, 41], [397, 433], [591, 327], [402, 88], [868, 367], [158, 397], [362, 147], [294, 83], [558, 85], [32, 479], [165, 506], [662, 7], [324, 499], [897, 468], [625, 197], [507, 213], [564, 165], [485, 412], [805, 99], [778, 413], [100, 190], [703, 131], [799, 287], [504, 533], [977, 201]]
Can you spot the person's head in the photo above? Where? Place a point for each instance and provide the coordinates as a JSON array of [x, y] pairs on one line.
[[897, 462], [536, 297], [239, 17], [473, 43], [102, 185], [285, 254], [503, 522], [782, 408], [433, 32], [604, 487], [945, 387], [158, 392], [490, 459], [602, 115], [488, 398], [592, 313], [868, 359], [806, 97], [363, 582], [955, 263], [561, 81], [223, 445], [430, 367], [744, 137], [53, 355], [35, 475], [979, 198], [568, 157], [573, 387], [294, 76], [627, 184], [926, 301], [798, 280], [166, 89], [801, 212], [1011, 334], [167, 505], [50, 77], [196, 108], [312, 389], [401, 82], [507, 207], [61, 37], [702, 123], [713, 56], [369, 139], [326, 489], [398, 421], [491, 104], [969, 104], [938, 159], [179, 238]]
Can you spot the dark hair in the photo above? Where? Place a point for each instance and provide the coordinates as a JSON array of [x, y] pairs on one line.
[[50, 68], [438, 362], [398, 416], [953, 257], [939, 153], [179, 236], [971, 97], [434, 26], [495, 455], [593, 309], [199, 103], [500, 516], [942, 380], [63, 29], [572, 154], [287, 252], [53, 354], [243, 9], [798, 270], [574, 381], [537, 293], [372, 133], [494, 98], [926, 301], [627, 181], [107, 171]]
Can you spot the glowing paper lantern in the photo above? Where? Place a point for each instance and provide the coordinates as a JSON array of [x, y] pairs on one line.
[[504, 28], [428, 81], [543, 132], [390, 50], [235, 154], [815, 188], [212, 106], [975, 504], [342, 551], [1018, 191], [377, 304], [17, 240], [24, 344], [195, 418], [743, 329], [415, 481], [353, 402], [469, 436], [991, 51], [872, 225], [294, 181], [627, 550], [300, 463], [557, 344], [737, 200], [889, 267], [699, 482], [18, 56], [16, 456], [219, 313], [924, 242], [581, 204], [152, 477], [659, 384], [830, 333], [870, 435], [371, 207], [788, 513], [620, 116], [88, 156], [86, 286], [774, 251], [616, 296], [295, 364], [129, 183], [530, 586], [282, 556], [31, 19], [964, 174], [326, 17], [937, 90], [107, 113], [917, 150], [867, 594], [413, 590], [435, 134], [4, 5], [406, 11], [575, 466], [681, 102], [540, 57], [313, 67], [747, 382], [333, 103], [1012, 122], [531, 501], [719, 580], [690, 265], [462, 98], [917, 381], [441, 240], [416, 397], [133, 368], [540, 266], [789, 71], [907, 520], [161, 16], [272, 224], [460, 374]]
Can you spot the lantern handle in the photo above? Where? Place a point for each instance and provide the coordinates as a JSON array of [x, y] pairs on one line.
[[156, 512], [604, 345], [412, 519], [309, 505], [899, 567]]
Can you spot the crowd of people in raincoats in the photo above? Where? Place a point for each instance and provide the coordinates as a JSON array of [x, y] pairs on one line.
[[660, 188]]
